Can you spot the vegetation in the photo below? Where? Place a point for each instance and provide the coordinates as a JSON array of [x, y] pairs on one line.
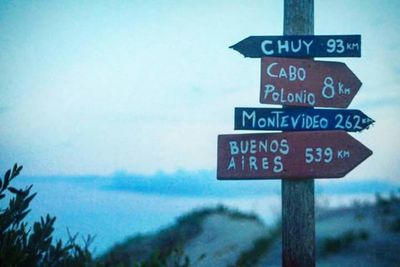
[[389, 210], [21, 245], [260, 248], [332, 245], [196, 217], [175, 258]]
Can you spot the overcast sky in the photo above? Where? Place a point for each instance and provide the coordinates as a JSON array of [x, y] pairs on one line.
[[96, 87]]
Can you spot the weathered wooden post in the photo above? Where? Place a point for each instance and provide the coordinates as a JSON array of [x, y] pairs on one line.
[[314, 143], [298, 222]]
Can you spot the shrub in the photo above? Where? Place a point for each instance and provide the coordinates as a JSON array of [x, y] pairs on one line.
[[332, 245], [388, 210], [21, 245], [394, 226], [25, 246]]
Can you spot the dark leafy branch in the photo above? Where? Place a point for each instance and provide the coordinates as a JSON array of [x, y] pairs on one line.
[[21, 245]]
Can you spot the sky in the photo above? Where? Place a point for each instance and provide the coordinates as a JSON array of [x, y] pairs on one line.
[[99, 87]]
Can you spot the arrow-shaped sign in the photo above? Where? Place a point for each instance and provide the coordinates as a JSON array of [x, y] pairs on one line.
[[288, 155], [300, 46], [308, 83], [301, 119]]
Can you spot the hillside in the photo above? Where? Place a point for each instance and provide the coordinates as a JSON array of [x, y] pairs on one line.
[[207, 237], [361, 235]]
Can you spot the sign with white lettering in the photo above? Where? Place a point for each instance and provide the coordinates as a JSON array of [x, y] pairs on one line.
[[288, 155], [301, 119], [307, 83], [300, 46]]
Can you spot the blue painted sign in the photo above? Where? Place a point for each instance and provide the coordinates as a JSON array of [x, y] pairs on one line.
[[301, 119], [300, 46]]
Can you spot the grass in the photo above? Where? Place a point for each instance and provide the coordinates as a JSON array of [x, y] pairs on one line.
[[389, 211], [260, 247], [331, 245], [197, 216]]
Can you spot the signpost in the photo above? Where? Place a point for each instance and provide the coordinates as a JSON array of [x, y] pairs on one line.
[[318, 145], [300, 46], [301, 119], [288, 155], [305, 82]]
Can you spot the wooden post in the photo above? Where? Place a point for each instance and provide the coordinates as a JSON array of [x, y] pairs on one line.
[[298, 222]]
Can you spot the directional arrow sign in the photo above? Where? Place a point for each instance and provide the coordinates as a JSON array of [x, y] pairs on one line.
[[288, 155], [300, 46], [308, 83], [301, 119]]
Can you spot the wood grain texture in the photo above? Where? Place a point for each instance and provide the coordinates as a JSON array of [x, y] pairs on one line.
[[298, 214]]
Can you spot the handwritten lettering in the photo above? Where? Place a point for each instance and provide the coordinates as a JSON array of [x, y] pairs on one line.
[[281, 47], [279, 120], [282, 96], [292, 73], [254, 155]]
